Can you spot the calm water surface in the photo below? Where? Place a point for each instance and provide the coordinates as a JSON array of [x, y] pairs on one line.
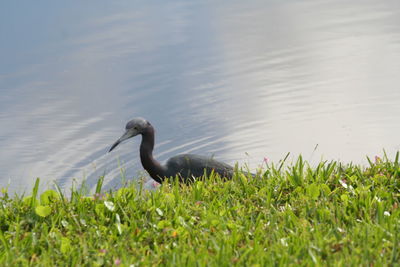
[[236, 80]]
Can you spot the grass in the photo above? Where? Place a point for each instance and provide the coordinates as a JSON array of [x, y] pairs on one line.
[[290, 214]]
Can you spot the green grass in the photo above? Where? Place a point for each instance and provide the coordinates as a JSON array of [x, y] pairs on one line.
[[291, 214]]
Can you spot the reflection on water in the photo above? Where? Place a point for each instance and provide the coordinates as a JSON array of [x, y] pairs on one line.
[[239, 81]]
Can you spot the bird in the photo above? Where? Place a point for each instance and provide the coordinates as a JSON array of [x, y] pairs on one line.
[[187, 167]]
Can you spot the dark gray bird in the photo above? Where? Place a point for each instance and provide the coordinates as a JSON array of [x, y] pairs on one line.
[[187, 167]]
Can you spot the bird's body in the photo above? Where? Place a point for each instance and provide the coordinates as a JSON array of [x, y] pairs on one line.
[[187, 167], [191, 166]]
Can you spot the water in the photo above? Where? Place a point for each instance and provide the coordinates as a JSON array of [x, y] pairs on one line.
[[240, 81]]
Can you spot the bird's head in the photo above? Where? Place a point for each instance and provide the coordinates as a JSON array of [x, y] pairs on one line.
[[133, 127]]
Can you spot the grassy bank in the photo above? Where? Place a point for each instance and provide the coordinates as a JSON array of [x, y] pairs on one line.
[[294, 214]]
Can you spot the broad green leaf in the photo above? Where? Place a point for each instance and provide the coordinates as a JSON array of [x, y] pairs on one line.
[[313, 191], [65, 245], [43, 211], [48, 197]]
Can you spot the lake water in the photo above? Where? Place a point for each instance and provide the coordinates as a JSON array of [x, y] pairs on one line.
[[237, 80]]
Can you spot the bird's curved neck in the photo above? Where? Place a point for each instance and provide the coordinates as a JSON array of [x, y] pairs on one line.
[[152, 166]]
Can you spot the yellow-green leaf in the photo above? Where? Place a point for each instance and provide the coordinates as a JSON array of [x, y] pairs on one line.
[[313, 191], [65, 245], [48, 197], [43, 211]]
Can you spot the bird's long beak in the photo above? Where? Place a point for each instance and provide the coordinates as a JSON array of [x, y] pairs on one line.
[[125, 136], [114, 145]]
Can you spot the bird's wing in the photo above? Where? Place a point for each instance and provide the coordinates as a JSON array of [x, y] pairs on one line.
[[188, 165]]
